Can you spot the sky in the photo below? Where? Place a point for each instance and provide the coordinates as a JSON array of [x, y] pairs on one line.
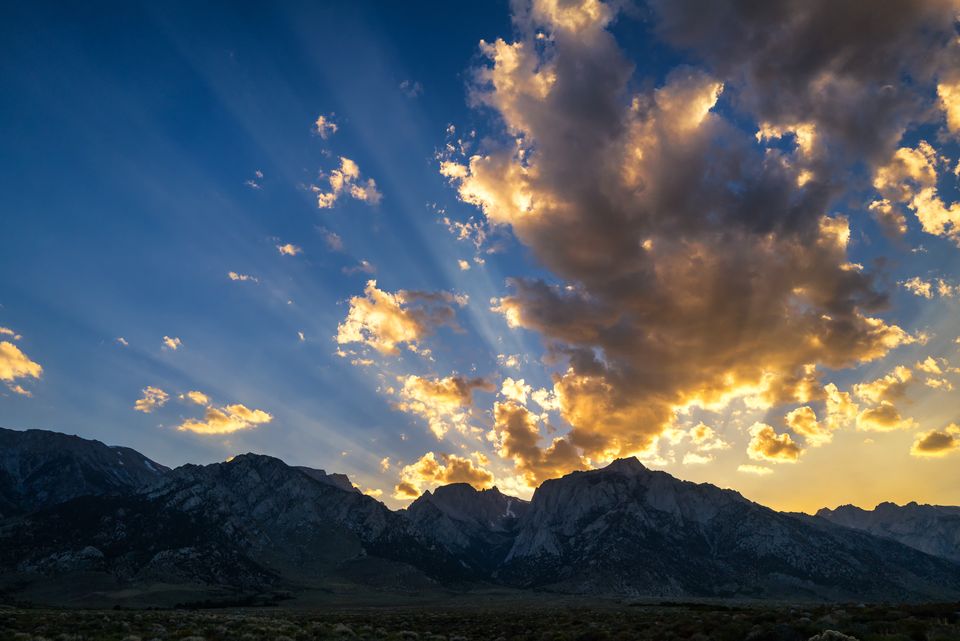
[[424, 243]]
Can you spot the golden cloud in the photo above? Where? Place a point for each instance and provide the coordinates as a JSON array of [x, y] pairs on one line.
[[14, 364], [346, 180], [757, 470], [196, 397], [803, 421], [427, 472], [153, 398], [226, 420], [766, 445], [936, 443], [949, 94], [884, 417], [516, 436], [289, 249], [172, 343], [384, 320], [670, 289], [886, 388], [515, 390], [443, 402]]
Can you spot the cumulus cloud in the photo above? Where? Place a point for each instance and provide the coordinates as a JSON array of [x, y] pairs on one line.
[[889, 387], [428, 471], [766, 445], [385, 320], [516, 436], [153, 398], [936, 443], [172, 343], [803, 421], [705, 438], [225, 420], [910, 179], [884, 417], [346, 180], [515, 390], [691, 266], [444, 402]]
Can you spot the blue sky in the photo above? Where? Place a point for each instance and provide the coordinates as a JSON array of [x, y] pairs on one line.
[[151, 150]]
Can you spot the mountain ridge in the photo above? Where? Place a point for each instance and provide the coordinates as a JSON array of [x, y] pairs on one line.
[[255, 524]]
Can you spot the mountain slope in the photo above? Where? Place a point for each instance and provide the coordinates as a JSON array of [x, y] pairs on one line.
[[40, 469], [628, 530], [477, 526], [934, 529]]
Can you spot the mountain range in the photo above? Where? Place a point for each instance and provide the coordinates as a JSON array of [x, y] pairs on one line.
[[83, 523]]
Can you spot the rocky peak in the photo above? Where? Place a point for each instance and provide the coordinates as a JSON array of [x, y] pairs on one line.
[[490, 509], [39, 468]]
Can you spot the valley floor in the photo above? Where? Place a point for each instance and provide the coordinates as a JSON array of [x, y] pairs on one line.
[[556, 621]]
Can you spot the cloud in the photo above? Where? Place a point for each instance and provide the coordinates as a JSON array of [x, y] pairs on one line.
[[385, 320], [225, 420], [937, 443], [153, 398], [289, 249], [122, 341], [758, 470], [691, 266], [884, 417], [443, 402], [346, 180], [516, 436], [692, 458], [464, 265], [14, 365], [6, 331], [706, 438], [890, 387], [803, 421], [840, 408], [385, 464], [910, 179], [332, 239], [949, 95], [325, 126], [428, 471], [363, 267], [836, 65], [515, 390], [766, 445], [929, 288], [411, 89], [172, 343], [511, 361], [243, 277], [196, 397]]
